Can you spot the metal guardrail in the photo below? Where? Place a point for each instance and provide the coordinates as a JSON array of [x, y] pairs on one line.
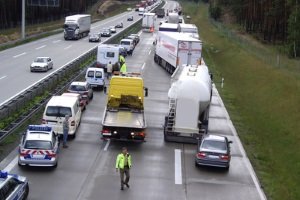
[[9, 108]]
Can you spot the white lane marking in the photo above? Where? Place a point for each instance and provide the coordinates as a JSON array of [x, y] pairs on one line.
[[149, 52], [2, 77], [106, 146], [40, 47], [56, 41], [178, 173], [21, 54], [11, 165], [68, 47], [143, 66]]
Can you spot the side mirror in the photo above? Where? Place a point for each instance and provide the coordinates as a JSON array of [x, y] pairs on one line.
[[146, 91]]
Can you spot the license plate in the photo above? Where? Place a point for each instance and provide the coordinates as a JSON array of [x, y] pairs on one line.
[[213, 156], [108, 134], [37, 157]]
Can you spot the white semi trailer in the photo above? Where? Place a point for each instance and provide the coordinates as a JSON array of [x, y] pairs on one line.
[[175, 49], [148, 22], [77, 26], [189, 100]]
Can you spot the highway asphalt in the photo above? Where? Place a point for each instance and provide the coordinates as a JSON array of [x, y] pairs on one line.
[[162, 171], [15, 62]]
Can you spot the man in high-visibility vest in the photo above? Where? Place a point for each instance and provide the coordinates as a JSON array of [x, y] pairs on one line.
[[121, 59], [123, 164], [123, 69]]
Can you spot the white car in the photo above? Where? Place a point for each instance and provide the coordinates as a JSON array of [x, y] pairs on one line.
[[39, 147], [41, 64], [112, 29]]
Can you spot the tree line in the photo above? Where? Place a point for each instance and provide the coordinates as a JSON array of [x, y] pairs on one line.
[[11, 12], [274, 21]]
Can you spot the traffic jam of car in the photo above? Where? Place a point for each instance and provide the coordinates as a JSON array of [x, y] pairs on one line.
[[40, 144]]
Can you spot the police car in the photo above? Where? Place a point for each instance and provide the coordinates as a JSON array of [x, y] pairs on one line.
[[39, 147], [13, 187]]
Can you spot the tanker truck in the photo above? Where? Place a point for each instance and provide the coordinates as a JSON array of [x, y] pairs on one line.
[[175, 49], [77, 26], [189, 100], [123, 117]]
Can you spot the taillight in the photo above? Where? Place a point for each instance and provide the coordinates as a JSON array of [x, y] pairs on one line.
[[105, 131], [201, 155], [224, 157], [44, 121], [52, 155], [73, 123]]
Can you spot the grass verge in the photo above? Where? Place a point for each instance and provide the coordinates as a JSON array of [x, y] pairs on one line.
[[263, 102]]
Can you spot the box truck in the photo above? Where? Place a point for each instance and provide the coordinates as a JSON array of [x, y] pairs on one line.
[[174, 49], [191, 29], [148, 22], [77, 26]]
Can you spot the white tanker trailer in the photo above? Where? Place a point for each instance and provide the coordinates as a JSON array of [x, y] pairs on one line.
[[189, 100]]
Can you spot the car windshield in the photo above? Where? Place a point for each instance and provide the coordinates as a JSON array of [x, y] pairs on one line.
[[38, 144], [40, 60], [58, 111], [125, 43], [78, 88], [98, 74], [214, 145]]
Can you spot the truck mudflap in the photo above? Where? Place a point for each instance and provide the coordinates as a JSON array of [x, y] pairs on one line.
[[123, 133]]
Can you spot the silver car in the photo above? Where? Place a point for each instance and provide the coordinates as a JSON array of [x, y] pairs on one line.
[[213, 150], [41, 64], [39, 147]]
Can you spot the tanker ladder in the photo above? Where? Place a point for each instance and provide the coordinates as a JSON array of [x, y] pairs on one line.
[[172, 114]]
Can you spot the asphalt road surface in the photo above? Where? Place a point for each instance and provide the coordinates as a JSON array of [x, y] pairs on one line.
[[162, 171], [86, 170], [15, 62]]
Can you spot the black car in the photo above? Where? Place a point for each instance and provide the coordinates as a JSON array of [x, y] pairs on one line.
[[130, 18], [120, 25], [213, 150], [105, 33], [94, 38]]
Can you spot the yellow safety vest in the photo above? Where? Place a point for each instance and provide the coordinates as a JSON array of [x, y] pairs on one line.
[[123, 68], [121, 59], [120, 162]]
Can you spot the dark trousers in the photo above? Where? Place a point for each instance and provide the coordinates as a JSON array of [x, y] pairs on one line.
[[125, 171]]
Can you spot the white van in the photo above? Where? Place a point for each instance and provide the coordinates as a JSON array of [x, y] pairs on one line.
[[107, 53], [142, 10], [95, 77], [128, 45], [56, 110]]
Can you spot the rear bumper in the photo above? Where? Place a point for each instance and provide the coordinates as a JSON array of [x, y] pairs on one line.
[[35, 162], [213, 163]]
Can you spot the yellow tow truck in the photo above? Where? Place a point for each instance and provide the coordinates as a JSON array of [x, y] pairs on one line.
[[123, 117]]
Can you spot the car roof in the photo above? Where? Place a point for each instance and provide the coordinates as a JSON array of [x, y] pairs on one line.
[[70, 94], [79, 83], [62, 101], [127, 40], [41, 57], [214, 137], [39, 132]]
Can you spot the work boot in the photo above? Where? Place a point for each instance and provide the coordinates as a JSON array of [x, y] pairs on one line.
[[127, 185], [65, 146], [122, 188]]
